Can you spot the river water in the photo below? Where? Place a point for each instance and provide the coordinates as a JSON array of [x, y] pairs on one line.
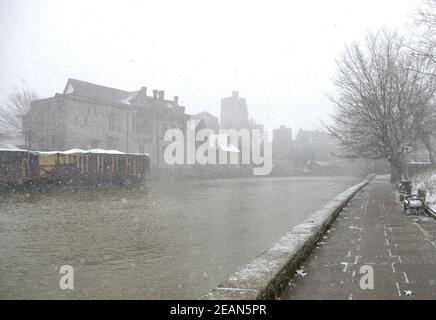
[[160, 241]]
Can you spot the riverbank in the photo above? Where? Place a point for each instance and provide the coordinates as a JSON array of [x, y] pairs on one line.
[[372, 234], [267, 275]]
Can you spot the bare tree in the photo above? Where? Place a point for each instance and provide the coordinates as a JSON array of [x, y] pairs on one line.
[[12, 111], [383, 94], [424, 47], [425, 24], [427, 130]]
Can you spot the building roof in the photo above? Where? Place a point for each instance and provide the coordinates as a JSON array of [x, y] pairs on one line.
[[209, 120], [235, 97], [319, 137], [81, 151], [95, 92], [9, 147]]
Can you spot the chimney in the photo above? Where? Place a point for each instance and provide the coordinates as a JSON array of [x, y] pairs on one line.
[[155, 93], [235, 94], [176, 100], [161, 94]]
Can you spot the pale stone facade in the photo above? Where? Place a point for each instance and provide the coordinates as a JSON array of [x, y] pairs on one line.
[[89, 116]]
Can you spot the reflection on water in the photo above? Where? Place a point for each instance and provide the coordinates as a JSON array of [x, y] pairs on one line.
[[163, 240]]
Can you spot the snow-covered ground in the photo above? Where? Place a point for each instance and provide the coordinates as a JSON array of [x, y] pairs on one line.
[[427, 180]]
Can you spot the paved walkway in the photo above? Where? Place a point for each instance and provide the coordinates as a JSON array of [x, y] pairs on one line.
[[372, 230]]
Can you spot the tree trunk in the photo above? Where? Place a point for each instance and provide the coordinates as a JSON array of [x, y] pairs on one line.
[[396, 171]]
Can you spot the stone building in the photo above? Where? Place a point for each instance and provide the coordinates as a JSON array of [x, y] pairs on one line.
[[234, 112], [282, 137], [318, 145], [210, 121], [282, 143], [89, 116], [282, 148], [318, 153]]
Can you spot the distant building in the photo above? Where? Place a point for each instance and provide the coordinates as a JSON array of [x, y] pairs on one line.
[[210, 121], [89, 116], [256, 125], [282, 136], [282, 144], [282, 151], [322, 146], [234, 112], [319, 153], [418, 154], [417, 158]]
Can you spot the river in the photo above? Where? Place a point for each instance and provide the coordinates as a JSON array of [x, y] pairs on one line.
[[159, 241]]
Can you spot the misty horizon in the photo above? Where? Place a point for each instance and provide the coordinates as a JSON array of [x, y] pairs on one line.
[[229, 151], [279, 59]]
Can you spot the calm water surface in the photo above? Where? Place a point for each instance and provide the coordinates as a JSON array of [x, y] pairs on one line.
[[166, 240]]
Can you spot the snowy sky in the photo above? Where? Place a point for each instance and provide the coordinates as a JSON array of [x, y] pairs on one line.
[[279, 55]]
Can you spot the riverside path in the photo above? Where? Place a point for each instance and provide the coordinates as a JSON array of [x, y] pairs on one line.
[[371, 233]]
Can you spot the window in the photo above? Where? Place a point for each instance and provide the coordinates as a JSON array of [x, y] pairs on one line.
[[140, 124]]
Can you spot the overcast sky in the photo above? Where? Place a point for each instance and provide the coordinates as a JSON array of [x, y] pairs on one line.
[[279, 55]]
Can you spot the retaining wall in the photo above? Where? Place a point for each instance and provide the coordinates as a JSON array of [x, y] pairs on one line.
[[269, 273]]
